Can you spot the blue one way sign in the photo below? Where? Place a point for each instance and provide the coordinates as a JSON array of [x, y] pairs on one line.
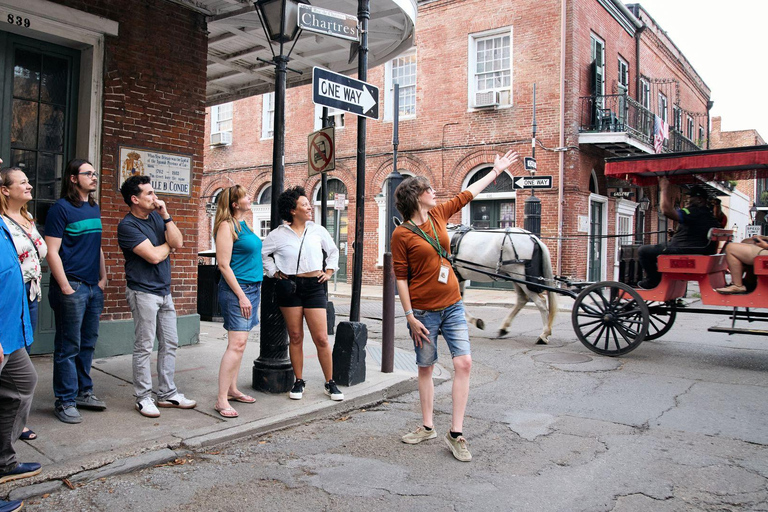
[[341, 92]]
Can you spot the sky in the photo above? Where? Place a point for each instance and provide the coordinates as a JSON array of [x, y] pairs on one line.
[[726, 42]]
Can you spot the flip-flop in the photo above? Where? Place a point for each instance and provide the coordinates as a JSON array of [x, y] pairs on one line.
[[28, 435], [246, 399], [227, 412]]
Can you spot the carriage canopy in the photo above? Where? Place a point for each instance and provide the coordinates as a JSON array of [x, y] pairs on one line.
[[713, 165]]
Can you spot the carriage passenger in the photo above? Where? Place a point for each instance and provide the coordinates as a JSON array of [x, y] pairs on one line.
[[740, 255], [429, 293], [694, 219]]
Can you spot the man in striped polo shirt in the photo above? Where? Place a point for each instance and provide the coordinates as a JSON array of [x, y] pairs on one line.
[[73, 235]]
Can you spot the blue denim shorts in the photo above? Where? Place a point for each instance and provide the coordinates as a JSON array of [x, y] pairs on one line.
[[451, 323], [230, 306]]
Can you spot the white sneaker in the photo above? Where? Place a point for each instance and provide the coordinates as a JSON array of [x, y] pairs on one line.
[[146, 406], [178, 401]]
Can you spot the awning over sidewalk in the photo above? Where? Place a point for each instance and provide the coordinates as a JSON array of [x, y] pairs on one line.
[[712, 165], [236, 41]]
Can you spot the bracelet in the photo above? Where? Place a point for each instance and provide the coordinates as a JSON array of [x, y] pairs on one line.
[[169, 219], [409, 312]]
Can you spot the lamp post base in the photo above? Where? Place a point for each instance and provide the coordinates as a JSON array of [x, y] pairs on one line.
[[272, 378]]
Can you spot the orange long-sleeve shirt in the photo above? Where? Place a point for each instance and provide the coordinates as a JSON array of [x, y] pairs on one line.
[[410, 250]]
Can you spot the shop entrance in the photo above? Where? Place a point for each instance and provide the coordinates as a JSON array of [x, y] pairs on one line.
[[38, 109]]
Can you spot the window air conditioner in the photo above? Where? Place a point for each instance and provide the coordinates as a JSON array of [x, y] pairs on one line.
[[221, 139], [486, 99]]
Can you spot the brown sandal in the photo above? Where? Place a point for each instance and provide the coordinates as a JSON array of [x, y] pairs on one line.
[[732, 289]]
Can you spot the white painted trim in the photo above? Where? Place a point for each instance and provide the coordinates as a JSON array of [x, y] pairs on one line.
[[624, 208], [465, 212], [265, 116], [59, 15], [69, 27], [472, 66], [381, 204], [604, 243]]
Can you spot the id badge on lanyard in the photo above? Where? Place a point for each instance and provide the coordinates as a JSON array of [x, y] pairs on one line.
[[444, 272]]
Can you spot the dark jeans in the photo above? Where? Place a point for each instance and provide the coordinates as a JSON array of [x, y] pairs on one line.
[[77, 329], [18, 379], [649, 255], [33, 306]]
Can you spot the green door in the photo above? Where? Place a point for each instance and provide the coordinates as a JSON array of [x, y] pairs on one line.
[[38, 106]]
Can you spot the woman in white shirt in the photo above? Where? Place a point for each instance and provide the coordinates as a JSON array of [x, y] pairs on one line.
[[293, 253], [15, 193]]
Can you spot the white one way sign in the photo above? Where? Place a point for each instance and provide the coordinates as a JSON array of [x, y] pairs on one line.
[[344, 93]]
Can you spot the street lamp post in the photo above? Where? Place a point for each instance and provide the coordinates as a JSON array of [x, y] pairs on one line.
[[272, 371]]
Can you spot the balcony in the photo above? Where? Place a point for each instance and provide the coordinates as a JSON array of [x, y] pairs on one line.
[[621, 126]]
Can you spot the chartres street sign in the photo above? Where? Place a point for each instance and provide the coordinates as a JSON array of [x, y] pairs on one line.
[[341, 92], [321, 154], [531, 182], [330, 23]]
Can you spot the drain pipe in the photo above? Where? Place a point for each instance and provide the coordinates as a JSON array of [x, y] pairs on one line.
[[561, 144]]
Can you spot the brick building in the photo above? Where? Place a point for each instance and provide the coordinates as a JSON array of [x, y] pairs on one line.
[[603, 72]]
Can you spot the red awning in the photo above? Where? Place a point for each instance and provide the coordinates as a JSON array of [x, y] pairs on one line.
[[712, 165]]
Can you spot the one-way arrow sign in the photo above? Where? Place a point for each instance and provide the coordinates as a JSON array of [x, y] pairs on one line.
[[531, 182], [341, 92]]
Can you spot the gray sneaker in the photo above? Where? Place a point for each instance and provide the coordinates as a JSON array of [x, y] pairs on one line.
[[67, 413], [90, 401], [419, 435], [458, 447]]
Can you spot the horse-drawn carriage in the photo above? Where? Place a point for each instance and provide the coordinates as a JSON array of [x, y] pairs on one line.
[[612, 318]]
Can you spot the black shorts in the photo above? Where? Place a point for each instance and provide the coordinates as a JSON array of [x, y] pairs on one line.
[[308, 293]]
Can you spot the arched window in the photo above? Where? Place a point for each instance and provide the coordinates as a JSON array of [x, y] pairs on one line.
[[335, 186], [261, 210], [495, 207], [265, 196]]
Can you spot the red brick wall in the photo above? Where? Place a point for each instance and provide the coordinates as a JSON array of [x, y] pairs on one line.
[[446, 141], [152, 101]]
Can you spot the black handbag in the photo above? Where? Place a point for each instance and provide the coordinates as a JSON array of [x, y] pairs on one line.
[[287, 287]]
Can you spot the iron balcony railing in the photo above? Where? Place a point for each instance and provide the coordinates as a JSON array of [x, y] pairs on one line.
[[621, 113]]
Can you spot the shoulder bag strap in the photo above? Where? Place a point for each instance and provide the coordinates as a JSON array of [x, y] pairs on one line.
[[28, 236]]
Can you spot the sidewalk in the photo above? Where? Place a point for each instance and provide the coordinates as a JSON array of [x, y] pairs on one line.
[[120, 439]]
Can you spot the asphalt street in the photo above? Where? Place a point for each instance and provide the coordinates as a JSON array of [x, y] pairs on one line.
[[678, 424]]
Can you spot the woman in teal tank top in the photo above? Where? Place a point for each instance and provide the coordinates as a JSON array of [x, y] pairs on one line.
[[238, 255]]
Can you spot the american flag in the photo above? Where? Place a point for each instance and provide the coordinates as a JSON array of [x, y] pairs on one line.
[[660, 132]]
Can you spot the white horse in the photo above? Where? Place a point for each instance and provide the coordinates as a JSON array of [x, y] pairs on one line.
[[505, 252]]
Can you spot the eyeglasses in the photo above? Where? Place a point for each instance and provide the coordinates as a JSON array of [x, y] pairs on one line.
[[90, 174]]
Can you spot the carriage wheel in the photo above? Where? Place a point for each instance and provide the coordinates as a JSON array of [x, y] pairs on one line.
[[661, 317], [610, 318]]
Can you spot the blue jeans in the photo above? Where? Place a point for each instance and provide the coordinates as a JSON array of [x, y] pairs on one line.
[[77, 329], [33, 305], [451, 323]]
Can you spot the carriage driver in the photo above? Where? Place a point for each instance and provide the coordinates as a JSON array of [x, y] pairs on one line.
[[694, 222], [429, 293]]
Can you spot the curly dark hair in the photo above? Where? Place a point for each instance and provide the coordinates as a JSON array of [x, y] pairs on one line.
[[407, 195], [130, 187], [288, 200]]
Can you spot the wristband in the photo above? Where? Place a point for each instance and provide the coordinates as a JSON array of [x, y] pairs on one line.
[[409, 312], [169, 219]]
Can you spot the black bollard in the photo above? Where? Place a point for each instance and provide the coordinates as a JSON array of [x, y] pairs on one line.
[[388, 317], [349, 353]]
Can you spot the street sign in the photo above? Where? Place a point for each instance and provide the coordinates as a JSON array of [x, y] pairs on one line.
[[329, 23], [339, 201], [753, 230], [531, 182], [321, 151], [529, 164], [338, 91]]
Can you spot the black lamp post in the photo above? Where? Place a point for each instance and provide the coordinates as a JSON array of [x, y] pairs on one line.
[[272, 371]]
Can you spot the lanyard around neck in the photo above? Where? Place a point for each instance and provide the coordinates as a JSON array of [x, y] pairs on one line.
[[435, 243]]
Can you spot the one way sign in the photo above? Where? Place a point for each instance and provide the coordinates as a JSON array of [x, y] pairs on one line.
[[531, 182], [341, 92]]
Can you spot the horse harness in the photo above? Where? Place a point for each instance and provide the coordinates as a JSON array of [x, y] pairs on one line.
[[462, 230]]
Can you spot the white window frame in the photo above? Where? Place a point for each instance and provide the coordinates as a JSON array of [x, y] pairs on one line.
[[689, 128], [472, 66], [262, 213], [624, 209], [267, 116], [623, 80], [389, 92], [336, 114], [702, 136], [216, 117]]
